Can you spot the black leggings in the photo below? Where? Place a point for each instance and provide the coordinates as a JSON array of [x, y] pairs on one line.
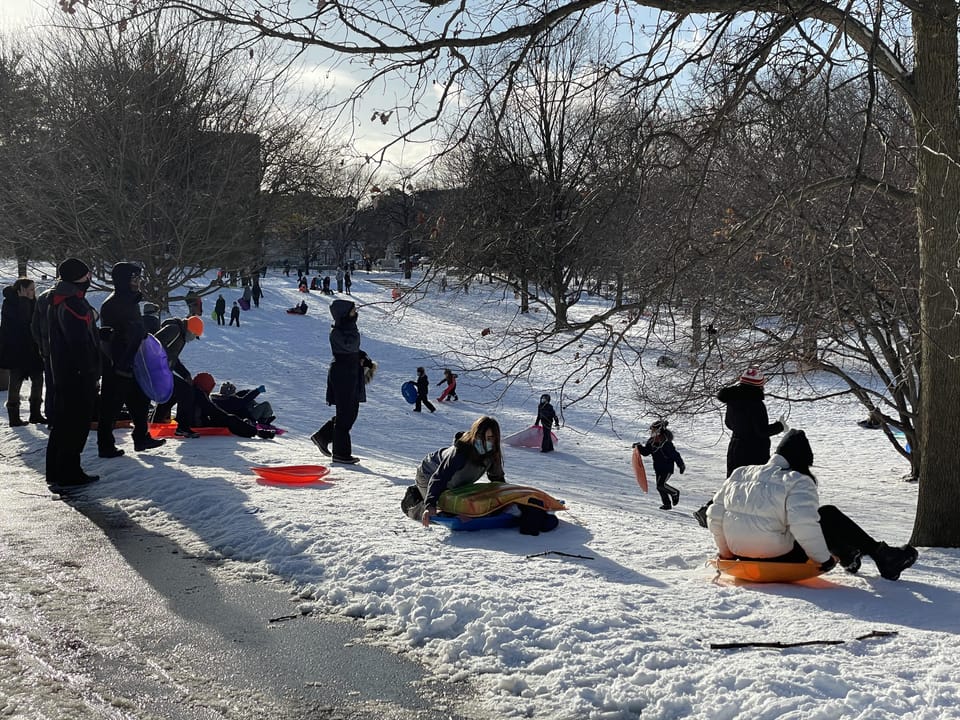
[[844, 538]]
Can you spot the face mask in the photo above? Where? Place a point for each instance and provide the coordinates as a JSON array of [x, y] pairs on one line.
[[480, 447], [84, 285]]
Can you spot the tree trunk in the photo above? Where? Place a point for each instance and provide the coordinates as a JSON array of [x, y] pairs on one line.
[[938, 206], [524, 291]]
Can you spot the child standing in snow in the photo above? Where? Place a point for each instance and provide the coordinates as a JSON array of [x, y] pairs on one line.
[[450, 392], [423, 388], [660, 446], [235, 315], [547, 417]]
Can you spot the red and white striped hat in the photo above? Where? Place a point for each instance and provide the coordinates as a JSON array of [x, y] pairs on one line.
[[753, 376]]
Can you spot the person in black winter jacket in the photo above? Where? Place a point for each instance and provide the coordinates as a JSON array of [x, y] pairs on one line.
[[121, 332], [349, 372], [220, 310], [19, 352], [173, 336], [750, 427], [746, 418], [423, 391], [75, 363], [40, 330], [660, 447], [547, 417], [243, 403]]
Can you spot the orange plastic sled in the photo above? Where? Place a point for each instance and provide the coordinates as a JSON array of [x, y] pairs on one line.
[[291, 474], [759, 571], [167, 430], [639, 470]]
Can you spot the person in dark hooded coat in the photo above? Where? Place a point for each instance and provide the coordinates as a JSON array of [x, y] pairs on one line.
[[121, 331], [19, 352], [349, 372], [547, 418], [75, 363]]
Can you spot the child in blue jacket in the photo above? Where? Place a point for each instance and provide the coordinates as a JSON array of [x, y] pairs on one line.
[[660, 446]]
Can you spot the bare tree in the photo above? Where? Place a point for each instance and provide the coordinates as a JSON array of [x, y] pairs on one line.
[[912, 47]]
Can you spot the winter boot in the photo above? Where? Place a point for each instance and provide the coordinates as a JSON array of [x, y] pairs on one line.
[[701, 516], [893, 561], [323, 437], [36, 415], [148, 443], [14, 414]]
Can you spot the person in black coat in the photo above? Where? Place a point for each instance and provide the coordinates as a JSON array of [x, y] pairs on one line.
[[349, 372], [19, 352], [547, 418], [665, 456], [750, 427], [173, 336], [235, 315], [121, 332], [220, 310], [746, 418], [41, 336], [75, 362], [423, 391]]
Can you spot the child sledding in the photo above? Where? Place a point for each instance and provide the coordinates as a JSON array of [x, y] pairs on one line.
[[300, 309]]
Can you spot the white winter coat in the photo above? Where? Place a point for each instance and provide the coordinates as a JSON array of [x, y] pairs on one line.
[[761, 509]]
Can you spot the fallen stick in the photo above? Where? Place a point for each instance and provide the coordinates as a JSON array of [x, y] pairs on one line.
[[557, 552], [734, 646]]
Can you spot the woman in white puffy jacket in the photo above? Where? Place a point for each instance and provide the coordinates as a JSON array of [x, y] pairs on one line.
[[772, 512]]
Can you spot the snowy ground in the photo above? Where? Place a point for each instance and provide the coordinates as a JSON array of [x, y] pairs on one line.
[[623, 632]]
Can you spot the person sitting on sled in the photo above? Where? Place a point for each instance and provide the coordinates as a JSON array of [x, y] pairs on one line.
[[772, 512], [660, 447], [472, 455]]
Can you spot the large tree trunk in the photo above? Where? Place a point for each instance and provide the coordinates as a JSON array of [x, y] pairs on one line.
[[938, 207]]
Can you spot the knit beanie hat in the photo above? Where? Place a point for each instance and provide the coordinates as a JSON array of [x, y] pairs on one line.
[[72, 270], [205, 382], [796, 450], [753, 376]]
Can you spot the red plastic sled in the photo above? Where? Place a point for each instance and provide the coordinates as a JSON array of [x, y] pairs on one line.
[[760, 571], [639, 470], [291, 474], [167, 430]]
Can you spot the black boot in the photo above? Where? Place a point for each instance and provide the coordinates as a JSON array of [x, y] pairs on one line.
[[891, 561], [14, 414], [323, 437], [36, 416]]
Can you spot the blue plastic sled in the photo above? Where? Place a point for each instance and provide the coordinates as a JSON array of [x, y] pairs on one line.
[[409, 391], [152, 371], [486, 522]]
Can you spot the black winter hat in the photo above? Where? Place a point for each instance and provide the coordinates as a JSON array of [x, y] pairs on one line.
[[122, 273], [72, 270], [796, 450]]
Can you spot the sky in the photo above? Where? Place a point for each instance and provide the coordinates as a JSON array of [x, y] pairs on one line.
[[610, 616]]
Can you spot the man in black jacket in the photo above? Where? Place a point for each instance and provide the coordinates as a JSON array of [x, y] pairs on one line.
[[121, 331], [75, 362], [19, 352], [174, 334]]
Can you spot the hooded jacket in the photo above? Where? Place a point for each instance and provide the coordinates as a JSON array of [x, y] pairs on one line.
[[452, 467], [172, 335], [121, 321], [760, 510], [18, 349], [74, 344], [344, 335]]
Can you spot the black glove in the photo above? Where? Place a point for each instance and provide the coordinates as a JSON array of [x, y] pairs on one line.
[[828, 565]]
